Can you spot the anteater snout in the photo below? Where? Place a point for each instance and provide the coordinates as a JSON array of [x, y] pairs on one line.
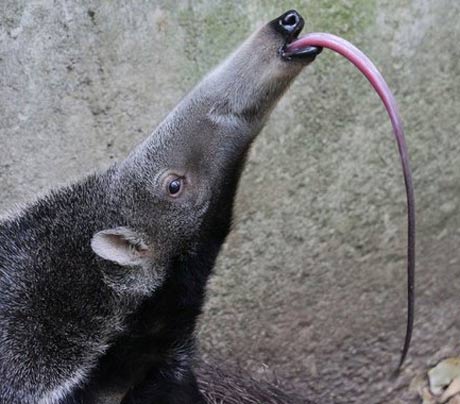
[[290, 23]]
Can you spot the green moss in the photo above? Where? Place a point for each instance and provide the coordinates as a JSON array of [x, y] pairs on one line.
[[342, 18], [210, 32]]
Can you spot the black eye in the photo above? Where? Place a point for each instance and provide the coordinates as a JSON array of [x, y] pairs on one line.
[[175, 186]]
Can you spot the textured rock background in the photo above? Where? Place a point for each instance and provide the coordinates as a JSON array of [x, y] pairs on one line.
[[311, 284]]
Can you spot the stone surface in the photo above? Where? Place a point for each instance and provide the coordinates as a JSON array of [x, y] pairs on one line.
[[311, 285]]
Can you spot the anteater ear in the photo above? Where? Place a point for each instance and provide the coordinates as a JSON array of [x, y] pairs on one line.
[[122, 246]]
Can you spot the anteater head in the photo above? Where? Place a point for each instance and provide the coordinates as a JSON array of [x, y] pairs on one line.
[[175, 191]]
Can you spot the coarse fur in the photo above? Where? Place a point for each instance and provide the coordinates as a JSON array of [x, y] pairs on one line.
[[102, 281], [223, 383]]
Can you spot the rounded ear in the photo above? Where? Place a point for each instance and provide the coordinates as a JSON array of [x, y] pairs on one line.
[[122, 246]]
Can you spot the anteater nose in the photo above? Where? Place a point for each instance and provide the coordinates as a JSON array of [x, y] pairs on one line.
[[291, 22]]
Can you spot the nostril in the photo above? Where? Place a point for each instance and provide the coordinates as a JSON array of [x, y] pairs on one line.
[[288, 24], [290, 21]]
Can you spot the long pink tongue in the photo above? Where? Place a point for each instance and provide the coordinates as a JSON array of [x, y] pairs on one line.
[[364, 64]]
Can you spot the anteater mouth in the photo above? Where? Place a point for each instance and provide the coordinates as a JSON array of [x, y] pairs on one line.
[[294, 20], [307, 53]]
